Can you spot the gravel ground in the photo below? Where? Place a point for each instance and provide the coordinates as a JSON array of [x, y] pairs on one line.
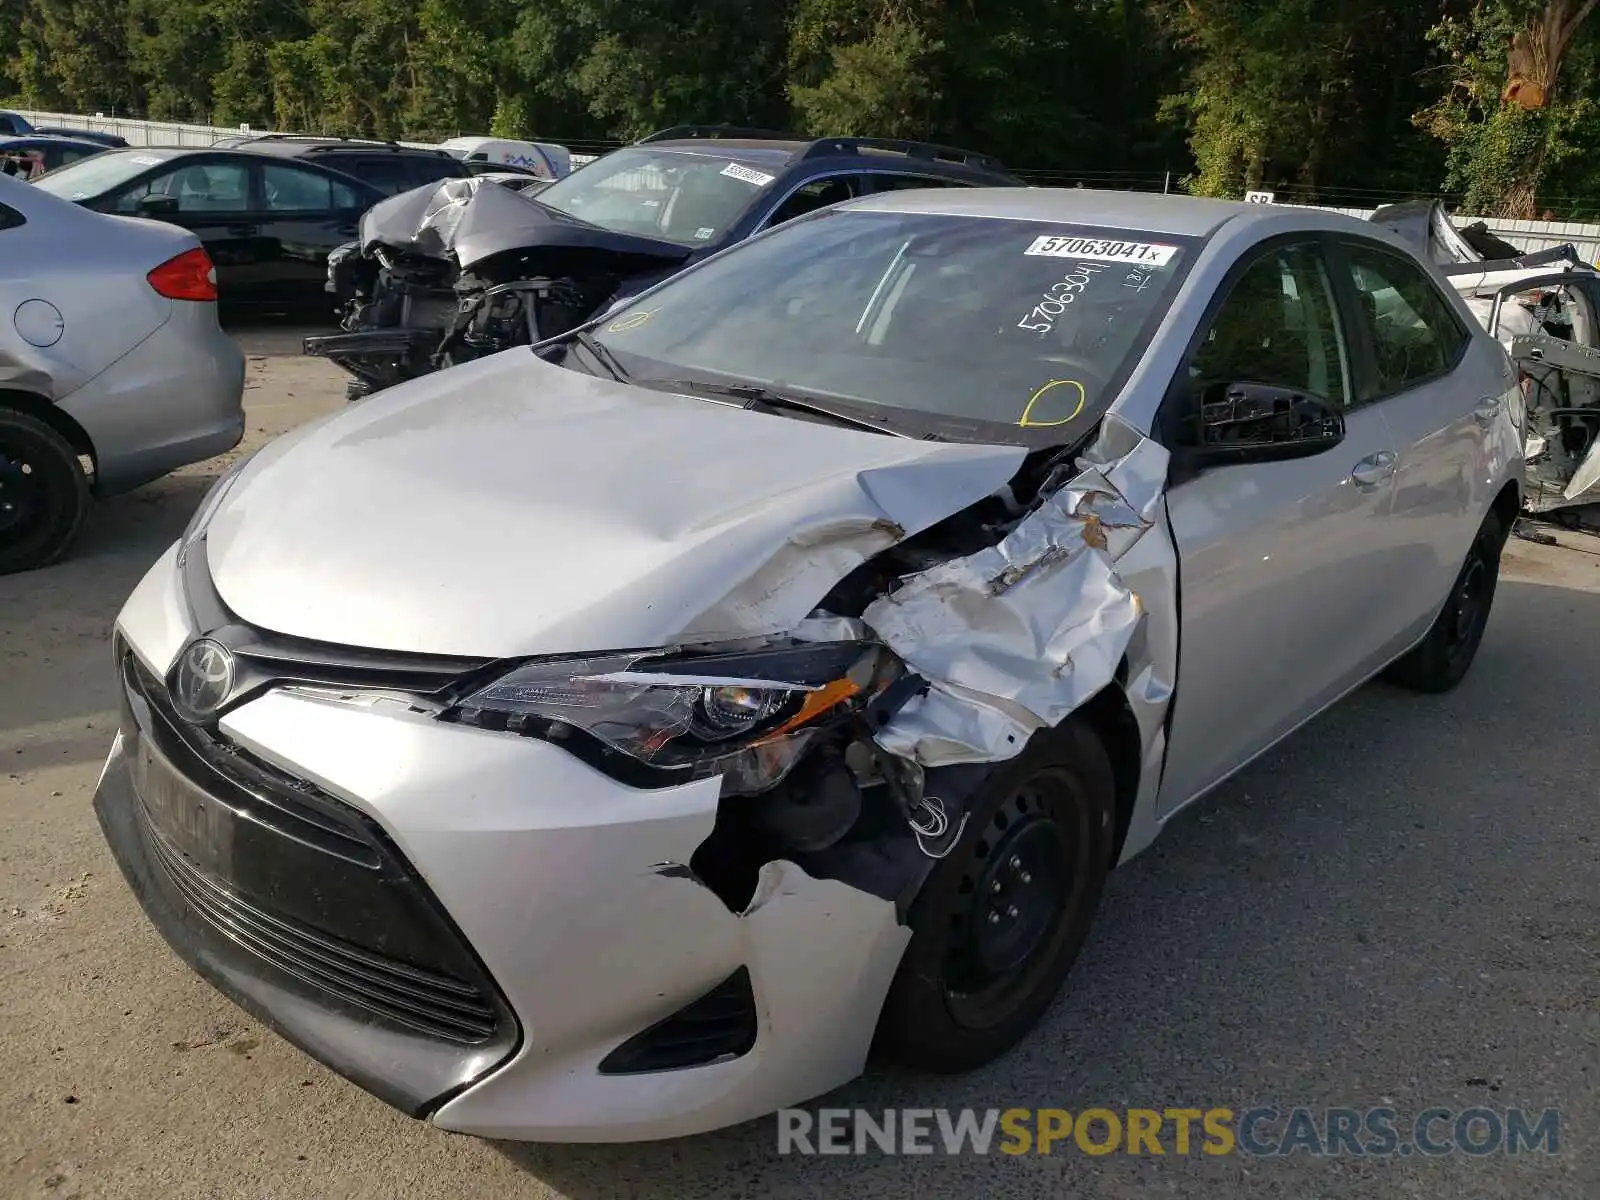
[[1395, 908]]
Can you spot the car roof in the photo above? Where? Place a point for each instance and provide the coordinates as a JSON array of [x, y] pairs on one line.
[[293, 146], [164, 152], [1177, 216], [743, 149], [48, 139], [776, 154]]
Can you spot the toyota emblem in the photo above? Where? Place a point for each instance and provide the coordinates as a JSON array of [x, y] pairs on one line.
[[204, 679]]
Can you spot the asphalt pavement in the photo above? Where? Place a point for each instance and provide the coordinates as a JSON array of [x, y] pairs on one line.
[[1397, 908]]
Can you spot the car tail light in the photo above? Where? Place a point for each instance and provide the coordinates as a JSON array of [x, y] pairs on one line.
[[189, 276]]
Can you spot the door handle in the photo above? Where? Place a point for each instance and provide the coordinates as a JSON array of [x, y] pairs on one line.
[[1374, 469], [243, 230], [1488, 409]]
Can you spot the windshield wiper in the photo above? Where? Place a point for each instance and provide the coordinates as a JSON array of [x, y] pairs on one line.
[[758, 398], [601, 354]]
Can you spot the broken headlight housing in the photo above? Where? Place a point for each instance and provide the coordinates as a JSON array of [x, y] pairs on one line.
[[743, 713]]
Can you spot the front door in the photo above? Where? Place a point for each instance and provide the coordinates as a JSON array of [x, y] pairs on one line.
[[211, 199], [1284, 570]]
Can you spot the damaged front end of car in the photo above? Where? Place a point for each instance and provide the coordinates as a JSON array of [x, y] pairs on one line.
[[452, 272], [950, 649]]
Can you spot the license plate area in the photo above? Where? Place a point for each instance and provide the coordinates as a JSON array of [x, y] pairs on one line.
[[196, 825]]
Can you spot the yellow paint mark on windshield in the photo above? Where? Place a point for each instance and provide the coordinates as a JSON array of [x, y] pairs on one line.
[[632, 321], [1027, 421]]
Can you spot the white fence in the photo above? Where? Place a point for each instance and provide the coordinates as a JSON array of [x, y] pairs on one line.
[[1527, 235], [169, 133]]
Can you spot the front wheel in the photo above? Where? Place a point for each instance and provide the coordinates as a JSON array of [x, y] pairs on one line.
[[44, 495], [1440, 660], [1000, 921]]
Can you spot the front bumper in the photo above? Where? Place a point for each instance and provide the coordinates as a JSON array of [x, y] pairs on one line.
[[560, 897]]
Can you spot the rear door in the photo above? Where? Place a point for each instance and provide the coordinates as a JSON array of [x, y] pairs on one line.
[[1441, 391], [1284, 568], [303, 214]]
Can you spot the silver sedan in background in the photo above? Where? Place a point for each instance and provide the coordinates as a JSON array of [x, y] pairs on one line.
[[110, 351]]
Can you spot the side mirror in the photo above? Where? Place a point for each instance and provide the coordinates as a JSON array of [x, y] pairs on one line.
[[156, 205], [1260, 422]]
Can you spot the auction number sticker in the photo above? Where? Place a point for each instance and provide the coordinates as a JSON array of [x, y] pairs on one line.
[[1147, 254], [735, 171]]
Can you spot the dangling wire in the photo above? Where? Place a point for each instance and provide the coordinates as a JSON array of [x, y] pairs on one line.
[[929, 822]]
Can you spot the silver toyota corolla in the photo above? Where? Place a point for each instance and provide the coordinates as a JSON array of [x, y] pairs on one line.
[[612, 740], [109, 350]]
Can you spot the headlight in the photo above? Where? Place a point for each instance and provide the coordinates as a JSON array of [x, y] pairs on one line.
[[744, 714]]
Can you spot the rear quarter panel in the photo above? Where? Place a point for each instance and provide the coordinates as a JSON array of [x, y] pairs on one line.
[[90, 269]]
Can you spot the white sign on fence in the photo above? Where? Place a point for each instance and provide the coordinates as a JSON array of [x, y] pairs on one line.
[[1260, 197]]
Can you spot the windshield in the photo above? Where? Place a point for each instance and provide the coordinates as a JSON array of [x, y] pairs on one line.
[[89, 177], [1026, 328], [681, 196]]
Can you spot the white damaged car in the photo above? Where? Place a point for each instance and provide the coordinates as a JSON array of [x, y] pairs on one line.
[[612, 739]]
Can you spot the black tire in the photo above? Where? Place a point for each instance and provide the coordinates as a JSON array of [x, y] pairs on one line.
[[970, 987], [1440, 661], [44, 495]]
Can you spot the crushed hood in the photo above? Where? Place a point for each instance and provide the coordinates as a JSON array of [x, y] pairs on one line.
[[510, 507], [474, 219]]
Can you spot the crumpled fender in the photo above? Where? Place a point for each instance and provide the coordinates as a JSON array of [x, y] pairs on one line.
[[1016, 637]]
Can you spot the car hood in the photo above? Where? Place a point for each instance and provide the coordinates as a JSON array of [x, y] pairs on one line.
[[471, 220], [510, 507]]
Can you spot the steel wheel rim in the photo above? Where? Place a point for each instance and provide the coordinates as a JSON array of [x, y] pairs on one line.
[[989, 965], [1467, 602]]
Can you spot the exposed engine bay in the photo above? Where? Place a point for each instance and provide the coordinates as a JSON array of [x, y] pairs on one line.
[[1544, 307], [448, 273]]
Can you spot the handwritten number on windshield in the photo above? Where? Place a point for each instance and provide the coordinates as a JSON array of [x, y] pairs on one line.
[[1041, 317]]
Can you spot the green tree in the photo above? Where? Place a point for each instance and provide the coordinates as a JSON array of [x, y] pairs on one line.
[[73, 54], [1510, 116], [881, 84], [1295, 94]]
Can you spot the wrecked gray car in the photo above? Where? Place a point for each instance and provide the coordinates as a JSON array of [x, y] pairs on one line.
[[781, 662], [1544, 308], [445, 275]]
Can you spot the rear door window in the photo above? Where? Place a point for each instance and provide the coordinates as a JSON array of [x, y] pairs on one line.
[[1414, 333], [819, 193], [905, 183], [287, 189], [431, 170], [384, 172]]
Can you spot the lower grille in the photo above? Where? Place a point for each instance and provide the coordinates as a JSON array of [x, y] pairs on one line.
[[298, 906], [430, 1003]]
